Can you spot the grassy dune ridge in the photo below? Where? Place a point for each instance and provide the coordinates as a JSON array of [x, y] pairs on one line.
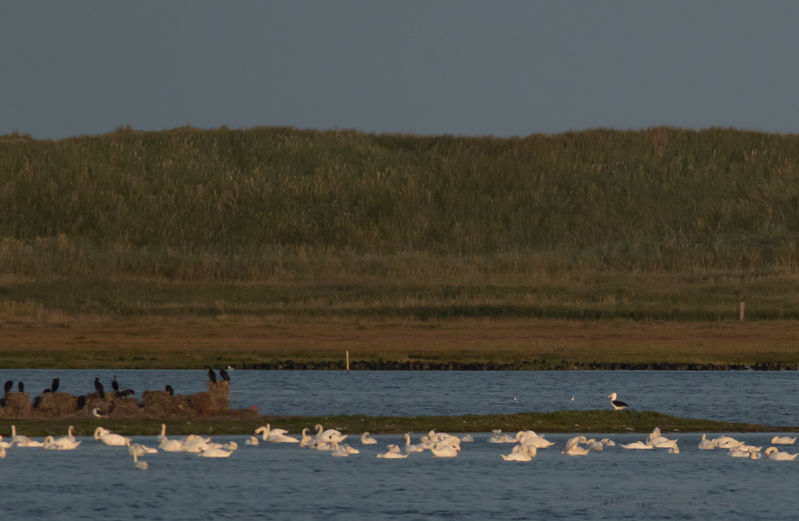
[[397, 232]]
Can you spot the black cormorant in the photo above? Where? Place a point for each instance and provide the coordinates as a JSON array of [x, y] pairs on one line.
[[99, 387]]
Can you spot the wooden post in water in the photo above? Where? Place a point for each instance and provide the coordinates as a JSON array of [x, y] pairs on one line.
[[348, 361], [741, 317]]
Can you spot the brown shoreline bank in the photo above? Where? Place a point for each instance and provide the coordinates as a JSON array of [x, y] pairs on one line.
[[525, 365]]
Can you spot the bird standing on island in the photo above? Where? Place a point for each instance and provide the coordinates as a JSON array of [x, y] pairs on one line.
[[55, 384], [8, 385], [616, 404], [115, 384], [169, 389], [99, 387], [224, 375], [211, 374], [21, 387]]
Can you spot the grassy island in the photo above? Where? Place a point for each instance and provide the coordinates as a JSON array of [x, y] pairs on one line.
[[554, 422], [275, 247]]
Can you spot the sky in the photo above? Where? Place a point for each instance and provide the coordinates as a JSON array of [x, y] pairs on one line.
[[458, 67]]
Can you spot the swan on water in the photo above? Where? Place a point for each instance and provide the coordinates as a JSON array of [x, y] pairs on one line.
[[393, 452], [445, 450], [275, 435], [773, 453], [783, 440], [466, 438], [23, 441], [252, 440], [706, 444], [137, 449], [141, 465], [499, 437], [519, 453], [575, 450], [616, 404], [329, 434], [214, 453], [110, 438], [367, 440], [4, 444], [2, 452], [412, 448], [640, 445], [50, 444]]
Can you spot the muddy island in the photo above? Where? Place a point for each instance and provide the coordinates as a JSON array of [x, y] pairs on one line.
[[213, 403]]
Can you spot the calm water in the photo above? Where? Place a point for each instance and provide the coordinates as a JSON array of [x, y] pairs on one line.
[[287, 482], [283, 481]]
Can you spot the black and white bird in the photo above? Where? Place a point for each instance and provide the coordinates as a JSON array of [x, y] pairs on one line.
[[616, 404], [211, 374], [99, 387]]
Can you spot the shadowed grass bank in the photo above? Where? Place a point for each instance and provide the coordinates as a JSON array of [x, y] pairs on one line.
[[563, 421]]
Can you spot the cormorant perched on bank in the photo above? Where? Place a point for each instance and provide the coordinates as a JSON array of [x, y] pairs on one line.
[[211, 374], [224, 375], [21, 387], [55, 384], [8, 385], [115, 384], [169, 389], [99, 387], [81, 401]]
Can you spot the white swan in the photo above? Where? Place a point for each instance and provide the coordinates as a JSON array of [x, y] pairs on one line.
[[774, 454], [706, 444], [466, 438], [306, 439], [141, 465], [367, 440], [445, 450], [329, 434], [499, 437], [214, 453], [530, 438], [393, 452], [519, 453], [575, 450], [412, 448], [275, 435], [783, 440], [607, 442], [137, 449], [110, 438], [61, 444], [23, 441], [727, 442], [2, 452], [639, 445], [4, 444], [252, 440]]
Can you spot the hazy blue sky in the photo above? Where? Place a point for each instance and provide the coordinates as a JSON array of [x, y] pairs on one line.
[[486, 67]]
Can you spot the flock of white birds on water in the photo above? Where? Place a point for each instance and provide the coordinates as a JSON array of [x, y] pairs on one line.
[[440, 444]]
